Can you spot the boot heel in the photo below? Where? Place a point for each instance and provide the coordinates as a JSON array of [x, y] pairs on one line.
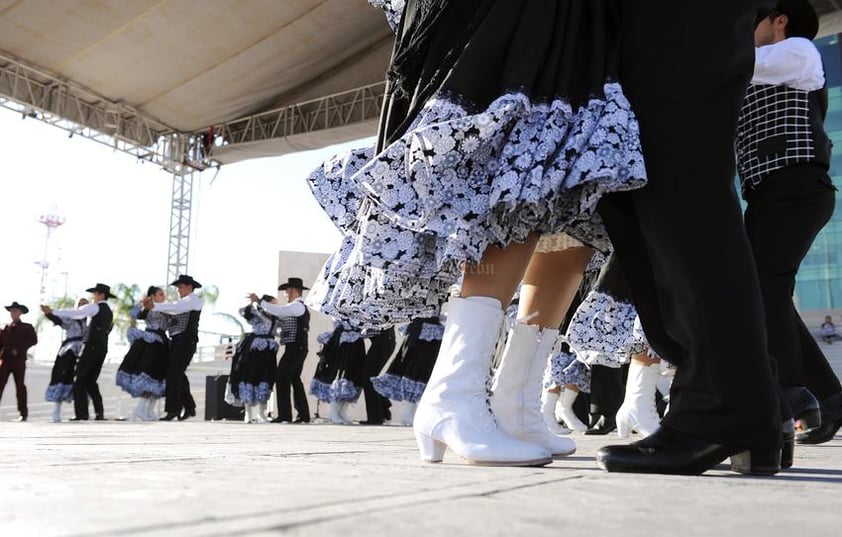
[[810, 419], [757, 462], [788, 448], [431, 450]]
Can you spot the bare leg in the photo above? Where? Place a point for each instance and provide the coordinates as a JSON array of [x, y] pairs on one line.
[[499, 272], [549, 285]]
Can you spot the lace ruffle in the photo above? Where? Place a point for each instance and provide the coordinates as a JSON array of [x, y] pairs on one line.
[[458, 182], [140, 384], [59, 393]]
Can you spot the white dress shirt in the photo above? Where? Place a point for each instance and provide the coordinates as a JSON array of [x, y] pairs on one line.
[[295, 308], [191, 302], [794, 62], [88, 310]]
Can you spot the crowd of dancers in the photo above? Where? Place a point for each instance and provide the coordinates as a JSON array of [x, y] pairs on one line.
[[526, 147]]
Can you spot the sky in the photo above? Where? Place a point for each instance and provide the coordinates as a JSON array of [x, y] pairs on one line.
[[116, 213]]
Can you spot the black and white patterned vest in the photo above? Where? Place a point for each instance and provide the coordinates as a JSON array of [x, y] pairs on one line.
[[294, 330], [780, 126]]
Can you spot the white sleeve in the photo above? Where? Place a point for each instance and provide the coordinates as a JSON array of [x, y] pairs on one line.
[[88, 310], [793, 62], [293, 309], [189, 303]]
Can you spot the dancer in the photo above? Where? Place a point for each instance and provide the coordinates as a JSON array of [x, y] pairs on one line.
[[93, 352], [377, 407], [15, 339], [184, 335], [339, 377], [686, 75], [142, 373], [409, 372], [502, 123], [251, 383], [783, 156], [295, 330], [60, 389]]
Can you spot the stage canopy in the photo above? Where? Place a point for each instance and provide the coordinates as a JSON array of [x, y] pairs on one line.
[[187, 83]]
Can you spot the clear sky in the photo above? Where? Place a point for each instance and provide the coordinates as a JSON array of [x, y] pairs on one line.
[[117, 215]]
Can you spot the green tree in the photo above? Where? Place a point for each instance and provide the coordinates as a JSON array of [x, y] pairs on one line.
[[127, 297]]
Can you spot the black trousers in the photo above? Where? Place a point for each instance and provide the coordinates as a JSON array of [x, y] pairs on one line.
[[681, 240], [15, 366], [178, 396], [607, 389], [288, 376], [87, 374], [785, 213], [381, 349]]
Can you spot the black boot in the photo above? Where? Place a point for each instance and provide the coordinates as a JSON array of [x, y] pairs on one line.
[[603, 425], [831, 415], [804, 406], [671, 452]]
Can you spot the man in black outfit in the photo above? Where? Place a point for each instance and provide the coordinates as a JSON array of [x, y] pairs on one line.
[[295, 329], [184, 336], [94, 351], [681, 241]]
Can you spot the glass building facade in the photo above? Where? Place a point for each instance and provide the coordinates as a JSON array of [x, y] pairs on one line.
[[819, 282]]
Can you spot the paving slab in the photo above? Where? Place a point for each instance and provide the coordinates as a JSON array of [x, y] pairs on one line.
[[196, 478]]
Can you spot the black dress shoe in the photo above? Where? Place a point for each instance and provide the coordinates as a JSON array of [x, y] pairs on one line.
[[278, 420], [788, 449], [670, 452], [604, 425], [371, 422], [187, 413], [99, 417], [22, 418], [804, 406], [169, 416], [831, 413], [75, 418], [301, 420]]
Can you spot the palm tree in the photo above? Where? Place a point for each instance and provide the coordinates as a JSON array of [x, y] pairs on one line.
[[126, 297], [65, 302]]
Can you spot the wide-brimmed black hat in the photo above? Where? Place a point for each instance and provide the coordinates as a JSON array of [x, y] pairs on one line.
[[295, 283], [16, 306], [101, 288], [803, 19], [184, 278]]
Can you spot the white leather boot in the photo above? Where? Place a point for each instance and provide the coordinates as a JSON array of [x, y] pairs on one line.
[[260, 415], [517, 387], [454, 412], [139, 412], [638, 412], [249, 411], [344, 409], [57, 412], [408, 414], [565, 411], [151, 410], [549, 400], [333, 415]]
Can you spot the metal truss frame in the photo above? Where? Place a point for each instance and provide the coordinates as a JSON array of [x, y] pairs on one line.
[[180, 218], [337, 110]]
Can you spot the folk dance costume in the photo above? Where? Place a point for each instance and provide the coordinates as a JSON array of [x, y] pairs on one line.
[[339, 377], [15, 339], [783, 157], [143, 371], [183, 330], [60, 389], [93, 352], [382, 345], [409, 372], [502, 120], [295, 328], [605, 331], [253, 367]]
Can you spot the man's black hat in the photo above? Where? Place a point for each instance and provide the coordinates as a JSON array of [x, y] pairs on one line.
[[295, 283], [184, 278], [16, 306], [101, 288]]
